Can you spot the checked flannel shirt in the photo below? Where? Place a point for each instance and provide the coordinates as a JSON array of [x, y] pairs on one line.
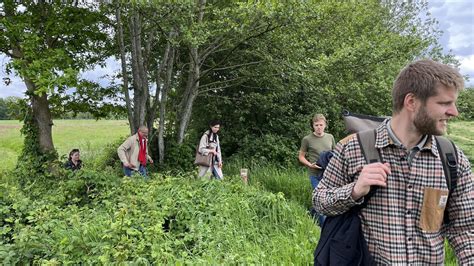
[[403, 221]]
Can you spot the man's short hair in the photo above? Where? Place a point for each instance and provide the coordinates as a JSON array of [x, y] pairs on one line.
[[318, 117], [315, 118], [422, 78]]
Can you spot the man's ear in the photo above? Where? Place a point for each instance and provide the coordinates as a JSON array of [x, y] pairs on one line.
[[411, 102]]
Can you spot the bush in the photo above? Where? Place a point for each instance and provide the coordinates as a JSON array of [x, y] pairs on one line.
[[268, 148], [161, 221], [108, 160]]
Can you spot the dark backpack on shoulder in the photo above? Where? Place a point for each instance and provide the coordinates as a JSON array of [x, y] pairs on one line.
[[447, 150], [342, 241]]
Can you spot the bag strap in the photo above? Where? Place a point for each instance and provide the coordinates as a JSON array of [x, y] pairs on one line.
[[448, 154], [367, 145], [366, 141]]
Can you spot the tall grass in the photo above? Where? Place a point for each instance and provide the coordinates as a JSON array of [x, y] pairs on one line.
[[292, 181], [165, 220]]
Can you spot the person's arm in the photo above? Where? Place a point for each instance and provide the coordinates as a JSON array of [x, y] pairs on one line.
[[302, 155], [339, 190], [219, 152], [460, 230], [203, 146], [303, 160], [121, 152]]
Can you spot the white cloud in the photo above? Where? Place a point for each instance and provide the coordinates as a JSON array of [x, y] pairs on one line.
[[456, 20]]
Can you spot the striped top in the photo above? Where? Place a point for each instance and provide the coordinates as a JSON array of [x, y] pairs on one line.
[[402, 222]]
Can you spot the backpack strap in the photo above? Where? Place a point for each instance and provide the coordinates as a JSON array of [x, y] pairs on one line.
[[367, 145], [366, 141], [448, 154]]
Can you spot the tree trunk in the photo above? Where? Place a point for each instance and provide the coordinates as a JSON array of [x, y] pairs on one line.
[[140, 83], [190, 94], [41, 117], [124, 68], [163, 101], [192, 83]]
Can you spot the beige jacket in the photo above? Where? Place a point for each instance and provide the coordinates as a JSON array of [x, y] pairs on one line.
[[128, 151]]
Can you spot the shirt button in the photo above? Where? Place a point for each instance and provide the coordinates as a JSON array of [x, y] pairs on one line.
[[408, 212], [410, 186], [409, 239]]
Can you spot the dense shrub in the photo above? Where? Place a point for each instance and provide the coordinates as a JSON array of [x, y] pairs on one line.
[[108, 159], [268, 148], [179, 158], [165, 220]]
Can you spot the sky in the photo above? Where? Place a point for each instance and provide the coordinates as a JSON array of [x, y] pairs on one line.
[[455, 17]]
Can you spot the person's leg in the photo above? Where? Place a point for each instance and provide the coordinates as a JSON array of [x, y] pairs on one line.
[[217, 172], [314, 181], [127, 171], [203, 171], [320, 217], [143, 172]]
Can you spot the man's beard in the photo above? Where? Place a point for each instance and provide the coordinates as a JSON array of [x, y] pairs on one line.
[[425, 124]]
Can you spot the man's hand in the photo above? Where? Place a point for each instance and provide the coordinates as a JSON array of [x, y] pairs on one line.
[[374, 174], [129, 165], [151, 160], [220, 164], [213, 151], [315, 166]]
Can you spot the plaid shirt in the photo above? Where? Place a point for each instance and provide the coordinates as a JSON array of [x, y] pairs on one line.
[[399, 224]]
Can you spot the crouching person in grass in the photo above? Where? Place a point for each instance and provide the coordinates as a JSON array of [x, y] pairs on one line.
[[133, 153], [74, 160]]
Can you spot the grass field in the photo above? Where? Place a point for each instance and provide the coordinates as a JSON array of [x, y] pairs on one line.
[[89, 136], [462, 133]]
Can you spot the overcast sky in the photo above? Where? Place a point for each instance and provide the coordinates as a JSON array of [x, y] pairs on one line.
[[456, 20]]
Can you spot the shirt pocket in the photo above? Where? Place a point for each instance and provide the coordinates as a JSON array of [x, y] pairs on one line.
[[432, 212]]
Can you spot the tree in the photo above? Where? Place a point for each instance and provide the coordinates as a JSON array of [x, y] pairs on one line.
[[10, 108], [328, 57], [49, 43], [3, 110]]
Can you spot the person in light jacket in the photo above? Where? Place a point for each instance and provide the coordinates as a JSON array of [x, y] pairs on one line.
[[209, 143], [134, 153]]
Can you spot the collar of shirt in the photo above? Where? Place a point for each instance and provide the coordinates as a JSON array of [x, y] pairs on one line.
[[395, 141]]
